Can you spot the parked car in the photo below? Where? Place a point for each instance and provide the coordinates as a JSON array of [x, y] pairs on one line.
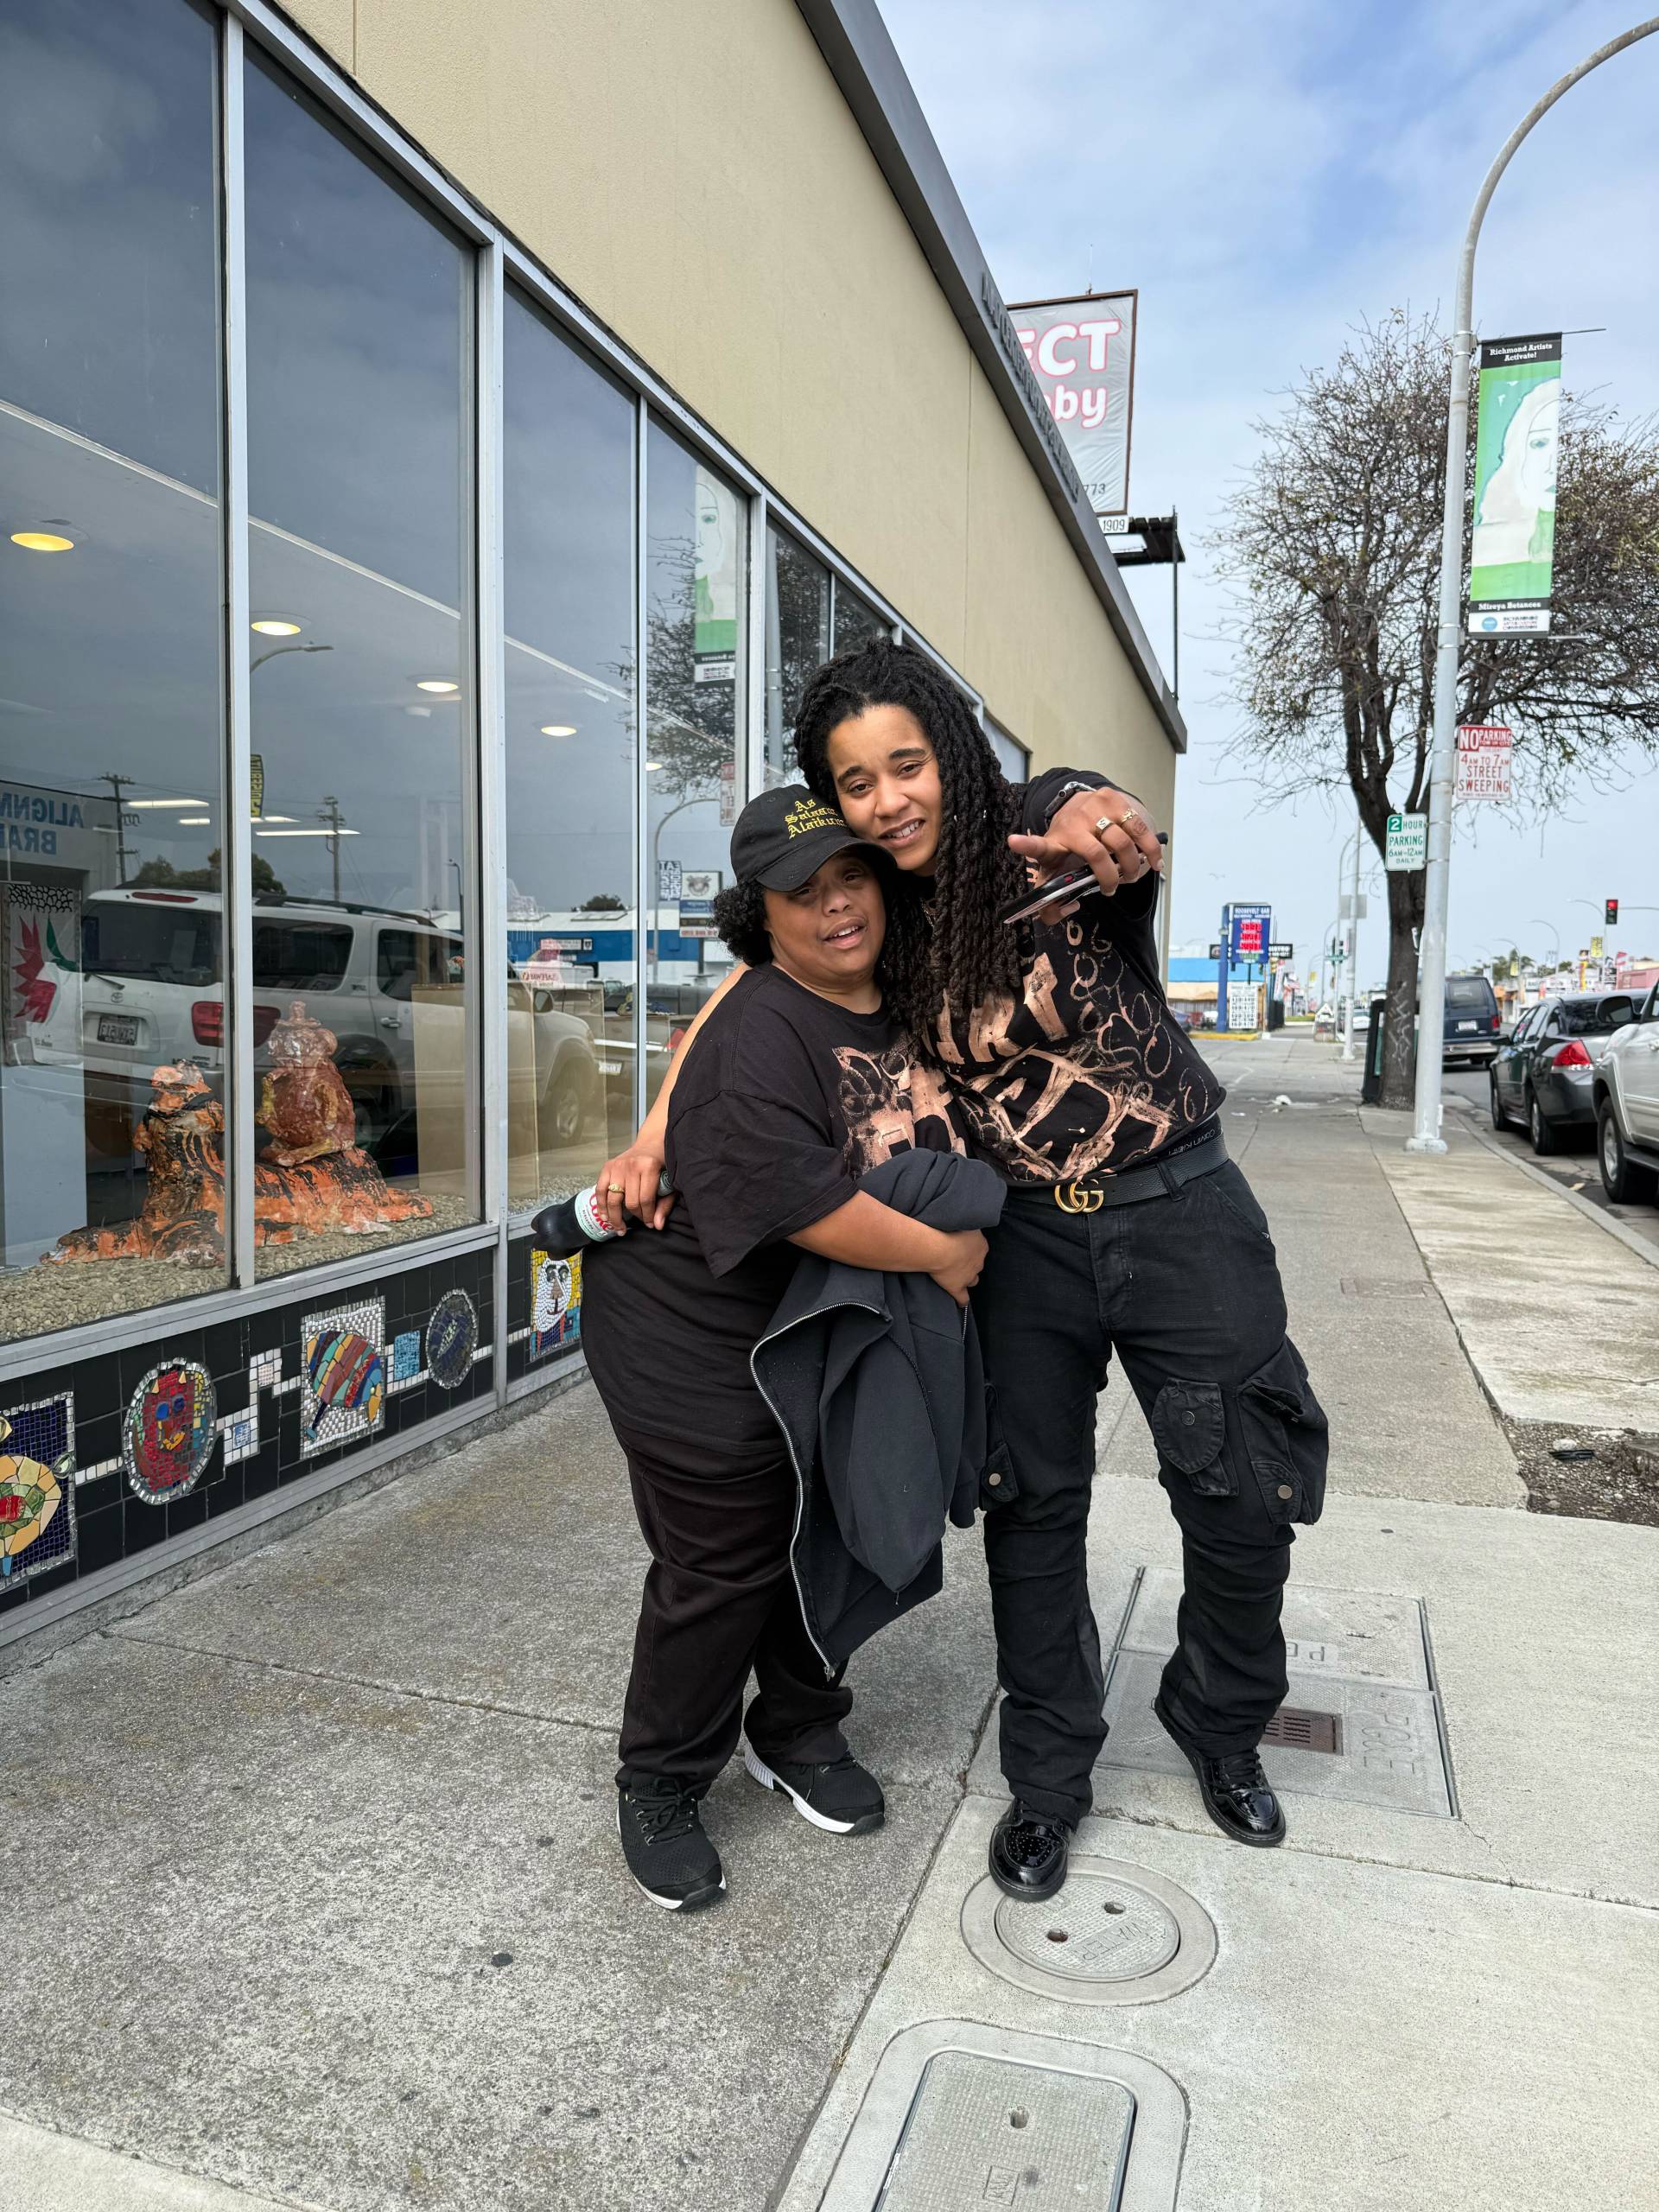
[[1474, 1023], [1624, 1091], [1544, 1077], [150, 992]]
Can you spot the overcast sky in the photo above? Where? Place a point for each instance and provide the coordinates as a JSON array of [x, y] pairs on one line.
[[1269, 177]]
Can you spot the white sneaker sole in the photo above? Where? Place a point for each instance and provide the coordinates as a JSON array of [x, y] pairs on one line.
[[695, 1903], [764, 1775]]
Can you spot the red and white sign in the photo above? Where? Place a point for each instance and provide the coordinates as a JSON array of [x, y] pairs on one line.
[[1486, 755], [1249, 937], [1082, 353]]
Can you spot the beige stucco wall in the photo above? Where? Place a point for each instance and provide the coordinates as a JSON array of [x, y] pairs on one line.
[[694, 174]]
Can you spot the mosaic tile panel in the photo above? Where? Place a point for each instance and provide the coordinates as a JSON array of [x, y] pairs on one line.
[[554, 1303], [169, 1434], [342, 1375], [451, 1339], [405, 1359], [37, 1496]]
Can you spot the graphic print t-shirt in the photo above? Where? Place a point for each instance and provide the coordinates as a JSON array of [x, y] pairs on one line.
[[785, 1101], [1090, 1070]]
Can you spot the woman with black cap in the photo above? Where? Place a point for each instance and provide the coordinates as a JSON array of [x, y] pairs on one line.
[[798, 1083]]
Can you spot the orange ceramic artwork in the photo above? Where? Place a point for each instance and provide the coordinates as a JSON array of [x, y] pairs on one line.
[[313, 1177], [304, 1105]]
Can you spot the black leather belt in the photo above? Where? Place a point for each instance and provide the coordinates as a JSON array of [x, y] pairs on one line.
[[1156, 1178]]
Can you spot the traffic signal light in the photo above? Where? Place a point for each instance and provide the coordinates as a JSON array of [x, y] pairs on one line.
[[1612, 912]]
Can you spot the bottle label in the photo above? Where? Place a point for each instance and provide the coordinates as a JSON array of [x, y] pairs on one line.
[[589, 1219]]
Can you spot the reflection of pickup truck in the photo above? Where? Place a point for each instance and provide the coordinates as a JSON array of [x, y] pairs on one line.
[[150, 991], [1626, 1097]]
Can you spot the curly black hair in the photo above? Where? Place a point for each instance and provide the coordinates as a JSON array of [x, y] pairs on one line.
[[950, 947], [741, 917]]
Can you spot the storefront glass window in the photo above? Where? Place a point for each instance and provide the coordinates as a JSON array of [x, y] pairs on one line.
[[111, 737], [570, 767], [361, 688], [798, 641], [856, 621], [696, 564]]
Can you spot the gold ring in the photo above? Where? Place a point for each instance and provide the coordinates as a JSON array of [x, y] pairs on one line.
[[1104, 823], [615, 1189]]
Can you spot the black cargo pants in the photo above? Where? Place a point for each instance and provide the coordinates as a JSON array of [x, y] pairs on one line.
[[1184, 1287]]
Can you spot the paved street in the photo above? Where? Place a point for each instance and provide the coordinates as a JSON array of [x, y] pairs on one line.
[[324, 1906]]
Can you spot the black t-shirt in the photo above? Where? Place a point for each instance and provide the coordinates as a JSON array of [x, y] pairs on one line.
[[1092, 1069], [785, 1100]]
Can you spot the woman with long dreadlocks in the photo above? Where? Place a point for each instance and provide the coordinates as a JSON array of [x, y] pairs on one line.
[[1126, 1230]]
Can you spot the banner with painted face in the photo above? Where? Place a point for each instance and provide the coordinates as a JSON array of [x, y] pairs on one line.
[[1518, 437], [1082, 353]]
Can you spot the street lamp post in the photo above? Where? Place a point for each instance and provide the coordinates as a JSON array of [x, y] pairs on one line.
[[1431, 968]]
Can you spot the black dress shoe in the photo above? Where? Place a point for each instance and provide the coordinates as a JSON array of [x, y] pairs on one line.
[[1238, 1798], [1028, 1854]]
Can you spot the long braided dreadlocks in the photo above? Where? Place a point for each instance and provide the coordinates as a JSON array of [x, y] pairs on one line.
[[954, 947]]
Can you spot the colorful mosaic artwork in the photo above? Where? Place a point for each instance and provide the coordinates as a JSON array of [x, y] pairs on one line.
[[451, 1339], [167, 1435], [342, 1375], [37, 1502], [554, 1303], [405, 1357]]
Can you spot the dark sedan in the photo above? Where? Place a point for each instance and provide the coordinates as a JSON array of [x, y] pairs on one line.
[[1543, 1074]]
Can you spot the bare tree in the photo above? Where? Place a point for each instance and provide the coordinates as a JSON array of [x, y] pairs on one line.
[[1332, 546]]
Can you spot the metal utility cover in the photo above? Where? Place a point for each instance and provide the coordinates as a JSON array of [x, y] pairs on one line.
[[958, 2115], [1363, 1636], [1116, 1935], [1390, 1750], [984, 2132]]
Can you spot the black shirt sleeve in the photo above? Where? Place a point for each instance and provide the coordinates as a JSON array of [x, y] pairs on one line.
[[753, 1169]]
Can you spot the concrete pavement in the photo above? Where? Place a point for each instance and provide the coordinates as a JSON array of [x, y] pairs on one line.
[[318, 1900]]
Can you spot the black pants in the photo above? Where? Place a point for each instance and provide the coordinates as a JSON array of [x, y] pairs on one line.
[[720, 1600], [1184, 1287]]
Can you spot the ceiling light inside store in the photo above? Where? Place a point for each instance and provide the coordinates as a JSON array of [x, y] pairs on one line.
[[194, 821], [440, 683], [42, 540], [341, 832], [274, 817], [558, 729], [650, 765], [276, 626], [164, 801]]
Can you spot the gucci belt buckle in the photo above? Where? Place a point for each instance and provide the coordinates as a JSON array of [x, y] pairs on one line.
[[1078, 1198]]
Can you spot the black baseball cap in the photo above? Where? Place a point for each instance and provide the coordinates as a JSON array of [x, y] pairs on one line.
[[784, 836]]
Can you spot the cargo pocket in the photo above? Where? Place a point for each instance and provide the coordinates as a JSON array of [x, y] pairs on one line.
[[1286, 1434], [1189, 1426]]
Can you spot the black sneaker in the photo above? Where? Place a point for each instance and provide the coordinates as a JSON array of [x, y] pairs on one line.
[[668, 1855], [841, 1796], [1028, 1854]]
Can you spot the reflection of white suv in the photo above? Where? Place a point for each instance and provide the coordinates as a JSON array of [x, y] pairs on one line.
[[150, 992], [1627, 1107]]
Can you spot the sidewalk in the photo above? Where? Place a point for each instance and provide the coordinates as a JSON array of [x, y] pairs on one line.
[[316, 1899]]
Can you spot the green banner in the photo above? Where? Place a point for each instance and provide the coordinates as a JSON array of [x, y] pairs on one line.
[[1518, 437]]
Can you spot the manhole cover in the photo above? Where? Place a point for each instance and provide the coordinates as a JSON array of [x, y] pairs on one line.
[[957, 2113], [1095, 1930], [1116, 1935], [982, 2131]]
